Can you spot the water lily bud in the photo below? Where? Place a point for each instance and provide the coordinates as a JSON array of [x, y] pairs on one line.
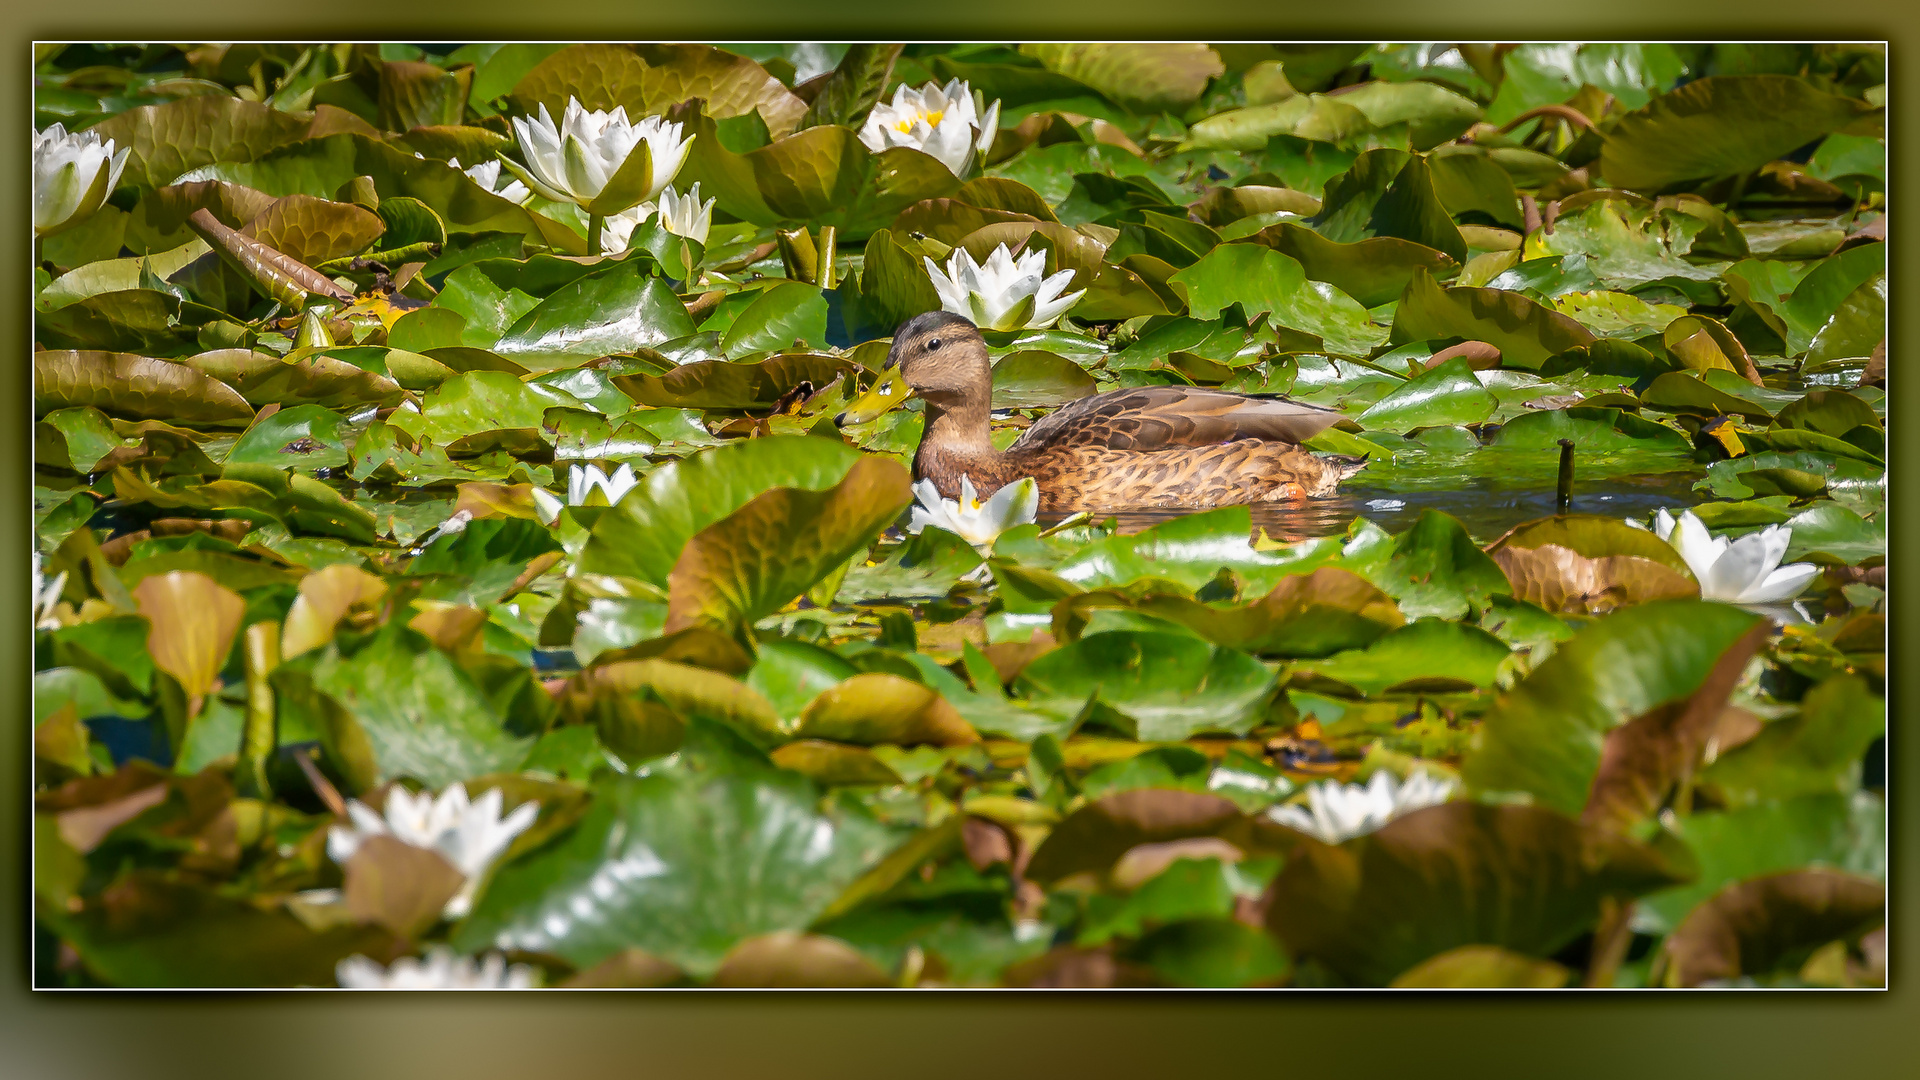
[[682, 215], [72, 177]]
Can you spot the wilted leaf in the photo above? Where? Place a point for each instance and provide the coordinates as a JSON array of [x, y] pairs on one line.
[[194, 619], [1555, 732], [1718, 126], [1523, 878], [881, 708], [1760, 926]]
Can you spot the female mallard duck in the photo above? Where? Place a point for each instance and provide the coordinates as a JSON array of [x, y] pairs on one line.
[[1155, 446]]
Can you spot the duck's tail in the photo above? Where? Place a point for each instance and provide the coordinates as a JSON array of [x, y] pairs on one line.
[[1335, 468]]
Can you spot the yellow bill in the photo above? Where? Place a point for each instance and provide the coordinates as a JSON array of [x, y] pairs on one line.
[[889, 391]]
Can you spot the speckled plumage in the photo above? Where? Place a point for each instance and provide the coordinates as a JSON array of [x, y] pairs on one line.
[[1158, 446]]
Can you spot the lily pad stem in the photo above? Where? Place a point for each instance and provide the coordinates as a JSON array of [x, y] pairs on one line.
[[1563, 489]]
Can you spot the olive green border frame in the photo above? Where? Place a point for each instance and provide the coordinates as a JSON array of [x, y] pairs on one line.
[[54, 1036]]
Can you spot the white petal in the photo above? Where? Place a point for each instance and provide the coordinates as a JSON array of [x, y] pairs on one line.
[[1782, 584], [1697, 547], [1743, 566], [1014, 504]]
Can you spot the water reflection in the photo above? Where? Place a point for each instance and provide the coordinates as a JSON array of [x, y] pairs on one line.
[[1488, 506]]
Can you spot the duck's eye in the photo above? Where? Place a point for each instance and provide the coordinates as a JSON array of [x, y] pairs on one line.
[[933, 344]]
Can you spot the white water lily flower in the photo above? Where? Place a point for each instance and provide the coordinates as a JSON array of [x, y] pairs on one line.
[[682, 215], [1337, 812], [970, 519], [1743, 571], [72, 176], [487, 175], [470, 835], [573, 160], [583, 479], [946, 122], [440, 970], [616, 231], [1005, 293], [46, 597]]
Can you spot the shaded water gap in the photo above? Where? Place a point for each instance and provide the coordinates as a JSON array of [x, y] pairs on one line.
[[1487, 506]]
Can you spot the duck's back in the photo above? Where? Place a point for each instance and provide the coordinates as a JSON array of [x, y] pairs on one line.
[[1152, 418], [1176, 446]]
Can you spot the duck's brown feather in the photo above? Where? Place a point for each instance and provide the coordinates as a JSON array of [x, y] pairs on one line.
[[1154, 446], [1152, 418]]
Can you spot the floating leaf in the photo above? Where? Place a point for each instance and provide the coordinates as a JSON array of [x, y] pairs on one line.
[[1262, 280], [681, 864], [1760, 926], [1664, 666], [719, 384], [643, 536], [1373, 271], [1718, 126], [132, 386], [194, 619], [1159, 687], [616, 311], [1520, 877], [1445, 394], [879, 708], [756, 559], [1525, 332]]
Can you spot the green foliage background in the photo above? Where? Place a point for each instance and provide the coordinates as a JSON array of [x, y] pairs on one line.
[[1314, 220]]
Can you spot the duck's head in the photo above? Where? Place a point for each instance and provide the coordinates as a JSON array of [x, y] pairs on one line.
[[939, 356]]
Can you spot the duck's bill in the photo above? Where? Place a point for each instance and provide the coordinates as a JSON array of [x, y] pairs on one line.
[[884, 394]]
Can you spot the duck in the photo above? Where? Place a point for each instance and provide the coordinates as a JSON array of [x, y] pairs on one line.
[[1165, 447]]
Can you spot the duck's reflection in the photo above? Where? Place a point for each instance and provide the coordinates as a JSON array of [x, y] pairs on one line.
[[1487, 509]]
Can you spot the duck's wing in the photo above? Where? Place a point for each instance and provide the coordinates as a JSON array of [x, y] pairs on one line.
[[1158, 417]]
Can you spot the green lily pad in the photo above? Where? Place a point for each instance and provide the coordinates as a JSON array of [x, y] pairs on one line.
[[619, 310], [422, 715], [1427, 651], [764, 554], [1388, 193], [819, 176], [1525, 332], [1447, 394], [1832, 829], [1373, 271], [643, 535], [1260, 279], [1158, 687], [683, 864]]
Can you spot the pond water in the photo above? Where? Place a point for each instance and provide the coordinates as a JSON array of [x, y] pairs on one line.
[[1488, 491]]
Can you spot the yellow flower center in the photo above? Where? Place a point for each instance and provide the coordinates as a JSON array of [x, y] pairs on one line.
[[932, 119]]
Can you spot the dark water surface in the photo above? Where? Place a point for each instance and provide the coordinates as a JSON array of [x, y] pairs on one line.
[[1489, 497]]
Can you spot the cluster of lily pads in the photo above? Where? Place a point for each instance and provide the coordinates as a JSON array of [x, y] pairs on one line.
[[449, 571]]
